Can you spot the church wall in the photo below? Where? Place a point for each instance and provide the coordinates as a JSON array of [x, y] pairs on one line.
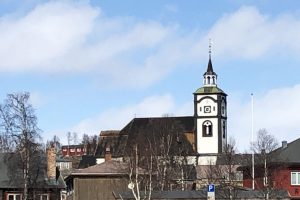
[[207, 144], [208, 100]]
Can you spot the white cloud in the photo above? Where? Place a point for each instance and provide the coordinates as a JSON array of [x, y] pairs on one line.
[[117, 118], [277, 111], [247, 33], [75, 37], [48, 32]]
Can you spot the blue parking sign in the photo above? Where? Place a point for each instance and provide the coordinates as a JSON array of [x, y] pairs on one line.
[[211, 188]]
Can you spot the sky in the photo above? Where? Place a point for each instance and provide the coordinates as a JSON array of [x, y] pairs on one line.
[[95, 65]]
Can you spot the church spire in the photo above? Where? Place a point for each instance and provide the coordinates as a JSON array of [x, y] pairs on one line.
[[210, 77]]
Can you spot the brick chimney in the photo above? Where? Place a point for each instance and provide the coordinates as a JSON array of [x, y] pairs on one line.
[[107, 155], [51, 163]]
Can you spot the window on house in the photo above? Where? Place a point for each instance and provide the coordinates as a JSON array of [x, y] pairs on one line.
[[239, 176], [72, 150], [42, 197], [14, 196], [207, 129], [78, 150], [295, 178]]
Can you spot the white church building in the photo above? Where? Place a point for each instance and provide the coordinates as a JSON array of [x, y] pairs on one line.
[[205, 131]]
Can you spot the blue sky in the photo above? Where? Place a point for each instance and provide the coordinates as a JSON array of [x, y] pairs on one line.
[[94, 65]]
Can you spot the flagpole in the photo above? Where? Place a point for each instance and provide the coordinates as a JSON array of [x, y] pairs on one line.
[[252, 138]]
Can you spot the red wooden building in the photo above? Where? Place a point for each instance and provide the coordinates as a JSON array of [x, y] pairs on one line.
[[73, 150], [284, 170]]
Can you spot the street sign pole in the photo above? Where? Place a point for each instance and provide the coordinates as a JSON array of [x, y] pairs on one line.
[[211, 192]]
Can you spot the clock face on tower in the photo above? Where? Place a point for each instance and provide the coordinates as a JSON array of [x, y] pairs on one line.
[[207, 109]]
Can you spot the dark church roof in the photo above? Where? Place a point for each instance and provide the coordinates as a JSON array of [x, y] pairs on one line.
[[138, 129], [209, 70], [142, 130], [137, 124], [112, 139]]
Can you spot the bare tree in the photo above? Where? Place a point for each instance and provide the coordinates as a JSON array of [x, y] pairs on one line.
[[262, 147], [140, 179], [75, 138], [69, 139], [20, 130], [162, 143], [230, 158], [90, 143], [223, 171], [54, 142]]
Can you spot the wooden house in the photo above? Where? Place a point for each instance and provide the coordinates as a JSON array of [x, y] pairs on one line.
[[284, 170], [45, 181], [98, 182]]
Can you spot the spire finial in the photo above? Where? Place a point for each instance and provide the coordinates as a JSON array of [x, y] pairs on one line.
[[209, 47]]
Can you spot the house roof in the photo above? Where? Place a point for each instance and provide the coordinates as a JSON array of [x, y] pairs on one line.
[[72, 146], [106, 168], [11, 173], [60, 159], [236, 159], [87, 161], [286, 154], [239, 193], [289, 153]]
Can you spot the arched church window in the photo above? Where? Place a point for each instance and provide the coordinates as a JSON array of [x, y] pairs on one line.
[[214, 81], [207, 129], [208, 80]]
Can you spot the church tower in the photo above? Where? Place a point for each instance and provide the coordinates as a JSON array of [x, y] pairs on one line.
[[210, 112]]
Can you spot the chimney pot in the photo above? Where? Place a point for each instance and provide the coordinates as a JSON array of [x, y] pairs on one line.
[[284, 144], [107, 155]]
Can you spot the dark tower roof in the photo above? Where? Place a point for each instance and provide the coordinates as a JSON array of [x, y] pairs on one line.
[[210, 70]]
